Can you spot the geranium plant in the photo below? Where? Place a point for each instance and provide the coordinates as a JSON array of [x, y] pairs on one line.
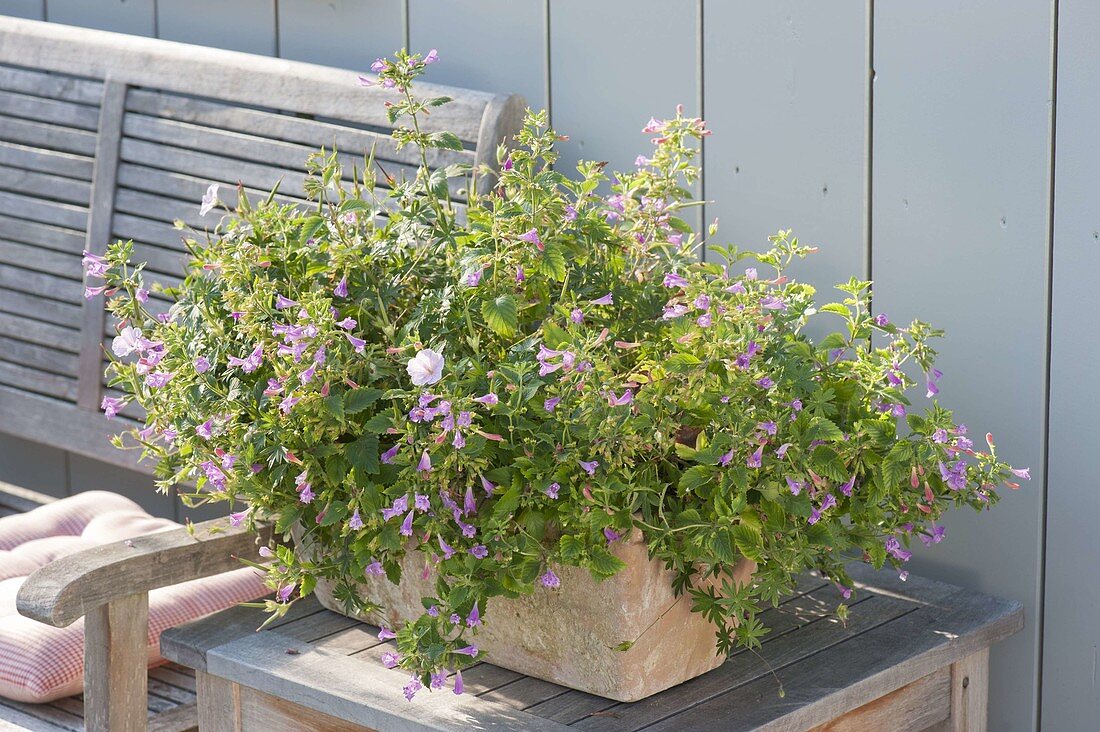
[[522, 381]]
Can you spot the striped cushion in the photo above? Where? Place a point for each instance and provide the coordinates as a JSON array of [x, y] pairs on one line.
[[39, 663]]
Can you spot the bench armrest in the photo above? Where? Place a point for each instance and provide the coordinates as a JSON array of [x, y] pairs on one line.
[[68, 588]]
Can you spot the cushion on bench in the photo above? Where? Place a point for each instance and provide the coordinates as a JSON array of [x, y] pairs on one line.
[[39, 663]]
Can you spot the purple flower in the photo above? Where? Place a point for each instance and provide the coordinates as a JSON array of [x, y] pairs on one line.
[[570, 213], [251, 362], [285, 592], [414, 684], [479, 551], [846, 489], [341, 289], [611, 535], [549, 579], [385, 634], [550, 404], [769, 427], [796, 405], [469, 502], [674, 311], [954, 475], [605, 300], [474, 618], [425, 464], [704, 321], [209, 199], [470, 651], [111, 406], [265, 552], [205, 430], [937, 535], [355, 522], [473, 277], [782, 451], [202, 365], [446, 548], [619, 401], [141, 295], [765, 383], [940, 436], [374, 568], [756, 458], [94, 265], [794, 485], [426, 367], [750, 273], [422, 503], [488, 399], [390, 659], [288, 403], [727, 458], [532, 237], [521, 276], [881, 320], [487, 486], [458, 682], [438, 678], [389, 455], [282, 303], [772, 303], [674, 280], [589, 466], [1024, 473], [431, 58], [357, 343], [459, 441], [129, 340], [90, 292], [552, 490], [407, 524], [893, 548], [400, 505], [236, 519], [305, 493]]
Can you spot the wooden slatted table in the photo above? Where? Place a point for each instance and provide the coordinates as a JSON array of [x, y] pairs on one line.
[[911, 656]]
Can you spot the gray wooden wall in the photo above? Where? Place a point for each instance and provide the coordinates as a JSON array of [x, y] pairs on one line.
[[913, 141]]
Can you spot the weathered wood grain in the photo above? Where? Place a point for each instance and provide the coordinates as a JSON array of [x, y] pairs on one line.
[[52, 86], [115, 637], [46, 161], [970, 693], [42, 109], [41, 134], [913, 708], [44, 185], [68, 588]]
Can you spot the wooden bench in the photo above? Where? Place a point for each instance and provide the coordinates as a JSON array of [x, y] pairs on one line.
[[912, 656], [106, 136]]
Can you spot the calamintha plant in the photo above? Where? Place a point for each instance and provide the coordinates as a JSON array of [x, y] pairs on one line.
[[525, 380]]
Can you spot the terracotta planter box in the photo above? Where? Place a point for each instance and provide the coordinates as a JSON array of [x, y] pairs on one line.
[[569, 635]]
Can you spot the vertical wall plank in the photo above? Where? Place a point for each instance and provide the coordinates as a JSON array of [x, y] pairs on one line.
[[495, 45], [613, 65], [33, 9], [784, 93], [1071, 647], [345, 33], [960, 196], [137, 17], [241, 25]]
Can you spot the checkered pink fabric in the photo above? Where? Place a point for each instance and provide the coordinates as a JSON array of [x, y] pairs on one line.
[[39, 663]]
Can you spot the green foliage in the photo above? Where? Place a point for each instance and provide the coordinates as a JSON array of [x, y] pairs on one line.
[[520, 385]]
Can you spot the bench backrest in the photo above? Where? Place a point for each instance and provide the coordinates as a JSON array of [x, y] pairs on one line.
[[106, 136]]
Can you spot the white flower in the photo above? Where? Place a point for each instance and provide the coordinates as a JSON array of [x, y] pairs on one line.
[[128, 341], [426, 367], [209, 199]]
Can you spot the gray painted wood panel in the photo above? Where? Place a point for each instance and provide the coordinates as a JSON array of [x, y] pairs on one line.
[[345, 33], [137, 17], [33, 9], [1071, 637], [961, 145], [789, 144], [241, 25], [615, 64], [496, 45]]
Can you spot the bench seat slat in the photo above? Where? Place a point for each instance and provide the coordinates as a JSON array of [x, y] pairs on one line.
[[41, 109], [45, 186], [52, 85], [46, 161], [51, 137]]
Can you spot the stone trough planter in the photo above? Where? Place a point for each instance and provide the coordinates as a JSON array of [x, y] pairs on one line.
[[569, 635]]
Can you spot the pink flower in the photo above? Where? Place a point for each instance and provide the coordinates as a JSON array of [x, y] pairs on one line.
[[209, 199], [111, 406], [425, 464], [549, 579], [589, 466], [605, 300], [426, 367], [532, 237]]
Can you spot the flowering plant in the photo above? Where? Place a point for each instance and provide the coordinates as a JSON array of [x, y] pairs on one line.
[[520, 382]]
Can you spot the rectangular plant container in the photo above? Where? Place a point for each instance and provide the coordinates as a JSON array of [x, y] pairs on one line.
[[569, 635]]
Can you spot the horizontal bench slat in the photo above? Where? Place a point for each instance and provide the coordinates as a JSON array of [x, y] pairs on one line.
[[27, 305], [47, 334], [51, 85], [45, 186], [39, 382], [46, 136], [44, 285], [125, 226], [46, 161], [39, 259], [272, 125], [189, 189], [39, 234], [40, 109], [46, 212], [38, 357]]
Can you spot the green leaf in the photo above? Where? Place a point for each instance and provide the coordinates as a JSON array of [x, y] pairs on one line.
[[377, 424], [681, 362], [826, 429], [439, 101], [552, 263], [837, 308], [603, 563], [310, 227], [826, 462], [747, 540], [357, 400], [506, 504], [445, 140], [335, 406], [722, 546], [363, 454], [696, 477], [571, 548], [500, 315]]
